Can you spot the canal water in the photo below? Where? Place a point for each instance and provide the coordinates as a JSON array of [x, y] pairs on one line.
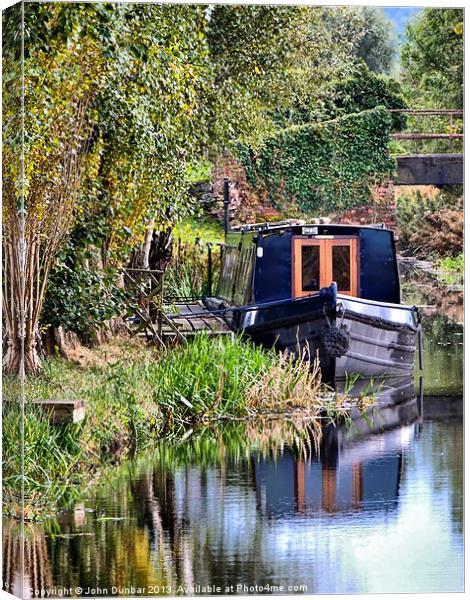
[[256, 508]]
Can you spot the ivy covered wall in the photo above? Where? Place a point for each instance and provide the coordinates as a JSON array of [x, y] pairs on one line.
[[323, 167]]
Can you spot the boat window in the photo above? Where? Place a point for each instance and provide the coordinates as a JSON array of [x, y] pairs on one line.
[[342, 267], [319, 261], [310, 268]]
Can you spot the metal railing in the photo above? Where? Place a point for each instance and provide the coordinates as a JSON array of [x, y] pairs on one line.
[[452, 113]]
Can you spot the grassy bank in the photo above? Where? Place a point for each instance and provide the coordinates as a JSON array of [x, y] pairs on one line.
[[451, 269], [141, 396], [187, 273], [204, 228]]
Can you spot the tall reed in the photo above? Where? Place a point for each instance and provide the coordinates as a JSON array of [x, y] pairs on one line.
[[187, 274]]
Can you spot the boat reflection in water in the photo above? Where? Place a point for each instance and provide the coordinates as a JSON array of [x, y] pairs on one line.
[[377, 509], [359, 464]]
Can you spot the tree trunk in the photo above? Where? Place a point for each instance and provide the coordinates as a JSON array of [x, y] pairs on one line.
[[148, 243], [13, 301], [161, 249], [32, 360], [23, 295], [13, 354]]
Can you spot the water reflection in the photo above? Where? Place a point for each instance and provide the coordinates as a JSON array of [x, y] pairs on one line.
[[443, 356], [367, 513], [24, 550], [443, 316]]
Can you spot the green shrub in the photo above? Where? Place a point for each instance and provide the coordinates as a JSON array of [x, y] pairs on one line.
[[366, 90], [326, 166], [452, 263], [81, 295], [51, 457], [82, 300], [430, 223], [451, 269]]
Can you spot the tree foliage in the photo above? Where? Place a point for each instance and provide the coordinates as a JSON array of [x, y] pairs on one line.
[[252, 52], [432, 57], [151, 115], [335, 44], [339, 37], [377, 45], [365, 90]]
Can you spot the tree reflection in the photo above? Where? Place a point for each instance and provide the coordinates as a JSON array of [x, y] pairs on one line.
[[234, 503], [26, 564]]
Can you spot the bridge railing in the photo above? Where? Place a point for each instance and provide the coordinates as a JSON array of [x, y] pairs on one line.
[[451, 116]]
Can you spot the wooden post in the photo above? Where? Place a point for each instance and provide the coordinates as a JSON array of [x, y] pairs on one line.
[[226, 205], [209, 269], [451, 127]]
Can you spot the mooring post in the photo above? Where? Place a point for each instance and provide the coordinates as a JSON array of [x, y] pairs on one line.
[[209, 269], [421, 399], [420, 348], [226, 205]]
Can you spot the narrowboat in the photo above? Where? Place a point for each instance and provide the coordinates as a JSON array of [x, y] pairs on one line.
[[322, 290]]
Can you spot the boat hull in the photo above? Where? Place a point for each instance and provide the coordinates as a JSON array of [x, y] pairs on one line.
[[375, 339]]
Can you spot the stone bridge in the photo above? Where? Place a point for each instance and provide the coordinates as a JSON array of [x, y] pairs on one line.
[[430, 169]]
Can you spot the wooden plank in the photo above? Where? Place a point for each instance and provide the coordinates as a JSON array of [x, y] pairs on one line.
[[187, 309], [171, 325], [193, 318], [188, 334], [426, 136], [428, 111], [149, 271], [63, 411]]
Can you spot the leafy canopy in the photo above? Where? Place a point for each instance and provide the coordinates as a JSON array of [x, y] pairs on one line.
[[432, 57]]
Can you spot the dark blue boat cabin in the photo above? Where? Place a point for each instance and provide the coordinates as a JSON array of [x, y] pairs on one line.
[[264, 263]]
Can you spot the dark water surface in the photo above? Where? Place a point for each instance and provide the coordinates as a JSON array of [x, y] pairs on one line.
[[255, 505]]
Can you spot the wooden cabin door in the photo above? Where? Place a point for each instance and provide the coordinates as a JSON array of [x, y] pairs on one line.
[[320, 261]]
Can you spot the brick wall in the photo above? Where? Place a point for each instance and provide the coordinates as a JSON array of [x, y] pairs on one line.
[[381, 210], [248, 206]]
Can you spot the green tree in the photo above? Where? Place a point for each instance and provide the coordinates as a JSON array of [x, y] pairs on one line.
[[151, 120], [364, 90], [253, 52], [52, 134], [432, 58], [377, 44], [333, 44]]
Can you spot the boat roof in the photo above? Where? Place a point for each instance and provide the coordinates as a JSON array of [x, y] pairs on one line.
[[291, 223]]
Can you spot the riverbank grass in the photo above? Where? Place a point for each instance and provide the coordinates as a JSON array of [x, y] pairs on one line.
[[451, 269], [143, 396]]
